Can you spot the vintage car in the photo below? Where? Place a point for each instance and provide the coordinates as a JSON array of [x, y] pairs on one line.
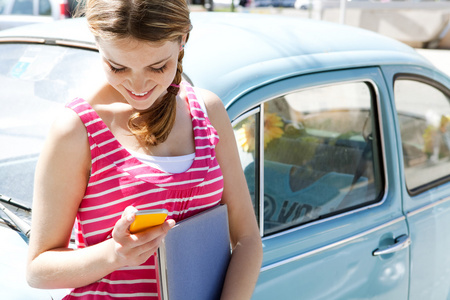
[[343, 136]]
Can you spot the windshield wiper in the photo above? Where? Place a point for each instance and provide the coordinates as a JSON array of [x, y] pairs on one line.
[[10, 201], [23, 226]]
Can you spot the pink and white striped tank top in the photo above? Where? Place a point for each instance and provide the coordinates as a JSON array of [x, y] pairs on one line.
[[118, 180]]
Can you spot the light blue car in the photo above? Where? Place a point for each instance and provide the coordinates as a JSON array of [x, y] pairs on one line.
[[344, 139]]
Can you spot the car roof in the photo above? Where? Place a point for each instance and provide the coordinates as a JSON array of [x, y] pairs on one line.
[[231, 53], [244, 51]]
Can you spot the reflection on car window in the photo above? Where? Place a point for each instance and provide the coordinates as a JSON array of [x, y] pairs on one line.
[[321, 155], [45, 8], [245, 133], [22, 7], [36, 81], [424, 116]]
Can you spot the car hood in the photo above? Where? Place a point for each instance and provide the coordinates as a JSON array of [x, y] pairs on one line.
[[13, 257]]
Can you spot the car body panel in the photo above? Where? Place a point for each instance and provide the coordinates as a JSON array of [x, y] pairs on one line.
[[10, 21], [247, 68], [12, 269], [345, 242], [73, 30]]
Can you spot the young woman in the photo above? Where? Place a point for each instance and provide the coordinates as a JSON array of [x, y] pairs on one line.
[[144, 140]]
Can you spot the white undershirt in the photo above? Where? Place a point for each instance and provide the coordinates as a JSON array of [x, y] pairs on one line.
[[171, 164]]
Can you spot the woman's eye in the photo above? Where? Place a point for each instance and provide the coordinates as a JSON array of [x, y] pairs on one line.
[[116, 70], [159, 70]]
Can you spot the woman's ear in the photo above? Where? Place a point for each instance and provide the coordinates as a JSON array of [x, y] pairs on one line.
[[184, 39]]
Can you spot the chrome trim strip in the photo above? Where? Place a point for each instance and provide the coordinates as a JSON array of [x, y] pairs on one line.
[[261, 170], [247, 114], [320, 221], [332, 245], [48, 41], [76, 44], [22, 40], [426, 207]]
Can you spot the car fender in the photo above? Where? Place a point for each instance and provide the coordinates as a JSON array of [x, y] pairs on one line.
[[13, 257]]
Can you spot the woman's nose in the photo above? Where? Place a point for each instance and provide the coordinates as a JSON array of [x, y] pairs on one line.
[[140, 83]]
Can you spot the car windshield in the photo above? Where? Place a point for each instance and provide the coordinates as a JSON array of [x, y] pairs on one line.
[[2, 6], [35, 82]]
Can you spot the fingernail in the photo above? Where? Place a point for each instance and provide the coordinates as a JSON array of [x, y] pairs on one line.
[[171, 223]]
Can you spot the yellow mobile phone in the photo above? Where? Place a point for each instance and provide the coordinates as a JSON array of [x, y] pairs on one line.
[[148, 218]]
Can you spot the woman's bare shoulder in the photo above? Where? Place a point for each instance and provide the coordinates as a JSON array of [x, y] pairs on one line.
[[67, 144], [214, 106], [210, 98], [67, 125], [67, 136]]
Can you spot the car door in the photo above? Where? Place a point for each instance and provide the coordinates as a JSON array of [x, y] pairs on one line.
[[422, 100], [320, 161]]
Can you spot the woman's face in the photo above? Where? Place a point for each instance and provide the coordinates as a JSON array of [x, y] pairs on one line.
[[139, 71]]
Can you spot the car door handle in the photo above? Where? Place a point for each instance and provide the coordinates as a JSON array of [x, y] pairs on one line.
[[401, 242]]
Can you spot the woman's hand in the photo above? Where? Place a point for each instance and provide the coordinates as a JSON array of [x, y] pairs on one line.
[[135, 249]]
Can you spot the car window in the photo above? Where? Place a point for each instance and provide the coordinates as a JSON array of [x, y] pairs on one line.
[[22, 7], [248, 139], [35, 82], [321, 154], [45, 8], [424, 117], [3, 4]]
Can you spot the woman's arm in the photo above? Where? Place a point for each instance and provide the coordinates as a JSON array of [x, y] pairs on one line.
[[60, 181], [246, 259]]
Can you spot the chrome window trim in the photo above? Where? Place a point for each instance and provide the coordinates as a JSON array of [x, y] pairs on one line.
[[427, 207], [261, 170], [245, 115], [332, 245]]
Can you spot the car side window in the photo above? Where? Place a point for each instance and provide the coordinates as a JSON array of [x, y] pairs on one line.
[[245, 130], [22, 7], [45, 8], [321, 154], [423, 112]]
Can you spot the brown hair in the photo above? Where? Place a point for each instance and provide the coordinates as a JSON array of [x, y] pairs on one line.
[[146, 20]]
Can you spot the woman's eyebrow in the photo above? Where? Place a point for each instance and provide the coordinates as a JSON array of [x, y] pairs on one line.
[[122, 66]]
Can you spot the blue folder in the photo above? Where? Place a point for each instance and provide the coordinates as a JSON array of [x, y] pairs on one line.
[[194, 256]]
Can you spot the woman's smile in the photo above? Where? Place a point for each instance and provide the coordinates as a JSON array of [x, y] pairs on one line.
[[140, 96]]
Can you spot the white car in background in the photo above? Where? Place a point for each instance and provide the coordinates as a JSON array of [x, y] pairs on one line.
[[23, 12]]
